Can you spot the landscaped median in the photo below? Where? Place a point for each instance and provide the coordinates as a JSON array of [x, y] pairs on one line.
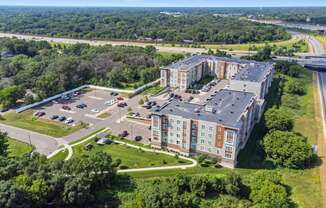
[[131, 156], [26, 120]]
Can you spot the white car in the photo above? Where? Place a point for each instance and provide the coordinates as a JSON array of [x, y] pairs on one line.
[[69, 120], [95, 110]]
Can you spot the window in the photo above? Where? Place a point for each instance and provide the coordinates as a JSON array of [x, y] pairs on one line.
[[210, 142], [171, 134], [178, 142], [202, 134], [178, 135], [228, 149], [202, 148], [209, 149], [178, 122], [210, 128], [202, 141], [178, 128], [203, 126], [210, 135], [229, 137], [227, 155]]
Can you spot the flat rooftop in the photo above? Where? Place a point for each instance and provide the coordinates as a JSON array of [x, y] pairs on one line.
[[190, 62], [254, 72], [225, 107]]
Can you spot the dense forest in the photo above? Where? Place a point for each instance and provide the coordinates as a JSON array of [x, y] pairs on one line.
[[45, 69], [136, 24]]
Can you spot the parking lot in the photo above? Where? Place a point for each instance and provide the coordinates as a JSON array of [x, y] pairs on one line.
[[83, 106]]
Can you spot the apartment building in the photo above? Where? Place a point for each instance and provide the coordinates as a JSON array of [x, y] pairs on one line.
[[184, 73], [220, 128], [256, 78]]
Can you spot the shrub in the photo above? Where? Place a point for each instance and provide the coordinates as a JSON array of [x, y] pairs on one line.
[[164, 162], [201, 158], [295, 87], [123, 167], [287, 149], [278, 119]]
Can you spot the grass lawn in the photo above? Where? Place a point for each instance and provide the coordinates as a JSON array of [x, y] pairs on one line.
[[60, 156], [104, 115], [130, 157], [18, 148], [152, 90], [26, 120]]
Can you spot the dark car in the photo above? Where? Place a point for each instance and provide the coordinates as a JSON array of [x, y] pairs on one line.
[[138, 138], [62, 118], [121, 105], [2, 110], [39, 114], [65, 107], [124, 134], [54, 117]]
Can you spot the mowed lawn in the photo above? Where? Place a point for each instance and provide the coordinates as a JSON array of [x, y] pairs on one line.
[[130, 157], [17, 148], [322, 39], [26, 120]]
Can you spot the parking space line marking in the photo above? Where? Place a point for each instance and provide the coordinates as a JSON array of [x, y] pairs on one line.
[[96, 98]]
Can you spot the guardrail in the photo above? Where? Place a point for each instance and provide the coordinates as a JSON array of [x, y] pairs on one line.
[[47, 100]]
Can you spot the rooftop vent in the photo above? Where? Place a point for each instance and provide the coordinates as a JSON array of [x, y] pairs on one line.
[[171, 110], [231, 112]]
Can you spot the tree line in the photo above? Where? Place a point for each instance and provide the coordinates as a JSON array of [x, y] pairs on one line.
[[136, 24], [44, 69]]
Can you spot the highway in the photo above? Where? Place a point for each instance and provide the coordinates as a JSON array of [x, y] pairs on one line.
[[318, 50]]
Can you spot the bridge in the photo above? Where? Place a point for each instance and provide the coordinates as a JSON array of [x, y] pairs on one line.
[[317, 62]]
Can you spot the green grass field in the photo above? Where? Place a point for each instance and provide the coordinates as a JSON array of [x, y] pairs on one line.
[[152, 90], [130, 157], [245, 47], [26, 120], [17, 148]]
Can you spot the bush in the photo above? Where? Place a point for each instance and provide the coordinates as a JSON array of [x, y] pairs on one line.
[[164, 162], [117, 163], [295, 87], [123, 167], [287, 149], [201, 158], [278, 119]]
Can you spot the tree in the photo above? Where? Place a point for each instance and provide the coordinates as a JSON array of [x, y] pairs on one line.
[[295, 87], [269, 195], [278, 119], [287, 149], [9, 95], [3, 144]]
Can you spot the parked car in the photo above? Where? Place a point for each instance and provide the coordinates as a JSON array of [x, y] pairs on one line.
[[65, 97], [122, 104], [54, 117], [81, 106], [114, 93], [138, 138], [39, 114], [65, 107], [62, 118], [120, 98], [76, 94], [124, 134], [69, 121], [2, 110], [104, 141], [95, 110]]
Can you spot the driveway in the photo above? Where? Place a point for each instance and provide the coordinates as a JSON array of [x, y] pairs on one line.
[[43, 144]]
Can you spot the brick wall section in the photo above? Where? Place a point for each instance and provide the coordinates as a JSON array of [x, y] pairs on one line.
[[219, 140]]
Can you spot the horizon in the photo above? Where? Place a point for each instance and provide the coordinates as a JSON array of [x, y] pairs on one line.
[[165, 3]]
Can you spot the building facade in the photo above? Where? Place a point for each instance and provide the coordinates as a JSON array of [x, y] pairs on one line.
[[221, 127]]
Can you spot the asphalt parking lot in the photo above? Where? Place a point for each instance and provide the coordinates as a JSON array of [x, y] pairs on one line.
[[94, 101]]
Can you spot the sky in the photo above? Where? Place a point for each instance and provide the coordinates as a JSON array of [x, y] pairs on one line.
[[166, 3]]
